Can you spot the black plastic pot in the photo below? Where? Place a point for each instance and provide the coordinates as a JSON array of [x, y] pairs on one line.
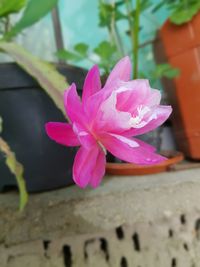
[[25, 108]]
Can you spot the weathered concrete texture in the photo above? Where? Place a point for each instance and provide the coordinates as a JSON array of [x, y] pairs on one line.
[[128, 221]]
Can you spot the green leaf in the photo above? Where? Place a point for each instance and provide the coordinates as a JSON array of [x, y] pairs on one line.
[[105, 50], [119, 15], [145, 4], [17, 169], [68, 55], [107, 12], [158, 6], [46, 75], [81, 48], [11, 6], [108, 55], [119, 3], [171, 73], [142, 75], [79, 53], [183, 15], [34, 11], [183, 11], [165, 70]]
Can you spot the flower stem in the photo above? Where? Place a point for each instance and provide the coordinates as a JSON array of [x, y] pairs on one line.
[[116, 35], [134, 30], [7, 24], [136, 39], [118, 40]]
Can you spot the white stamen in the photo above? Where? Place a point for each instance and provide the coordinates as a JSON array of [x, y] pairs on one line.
[[137, 121], [134, 121]]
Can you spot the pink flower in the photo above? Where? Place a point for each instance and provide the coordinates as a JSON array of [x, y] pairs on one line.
[[108, 119]]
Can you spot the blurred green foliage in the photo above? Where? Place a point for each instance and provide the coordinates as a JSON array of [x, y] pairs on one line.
[[181, 11], [11, 6], [33, 11], [110, 50]]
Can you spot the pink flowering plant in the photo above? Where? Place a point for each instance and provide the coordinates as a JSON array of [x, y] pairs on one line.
[[109, 118]]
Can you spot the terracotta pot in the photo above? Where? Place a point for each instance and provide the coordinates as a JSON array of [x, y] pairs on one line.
[[180, 46], [132, 169]]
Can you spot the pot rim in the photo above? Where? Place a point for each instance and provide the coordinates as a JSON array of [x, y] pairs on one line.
[[133, 169]]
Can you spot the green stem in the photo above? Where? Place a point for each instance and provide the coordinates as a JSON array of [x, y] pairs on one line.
[[134, 29], [116, 35], [7, 24], [136, 39], [110, 32], [113, 32], [17, 169], [108, 26], [130, 22], [118, 40]]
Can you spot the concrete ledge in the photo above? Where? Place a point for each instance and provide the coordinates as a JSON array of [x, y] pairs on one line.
[[118, 201]]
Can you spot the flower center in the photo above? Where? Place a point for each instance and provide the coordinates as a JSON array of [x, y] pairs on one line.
[[138, 120]]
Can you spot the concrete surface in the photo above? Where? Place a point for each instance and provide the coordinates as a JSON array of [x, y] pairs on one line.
[[144, 221]]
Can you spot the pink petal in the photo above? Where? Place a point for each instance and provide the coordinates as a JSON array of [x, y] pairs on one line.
[[121, 71], [62, 133], [144, 145], [159, 116], [126, 149], [135, 94], [99, 170], [85, 168], [92, 83], [91, 107], [116, 111], [85, 137], [110, 119], [73, 105], [154, 99]]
